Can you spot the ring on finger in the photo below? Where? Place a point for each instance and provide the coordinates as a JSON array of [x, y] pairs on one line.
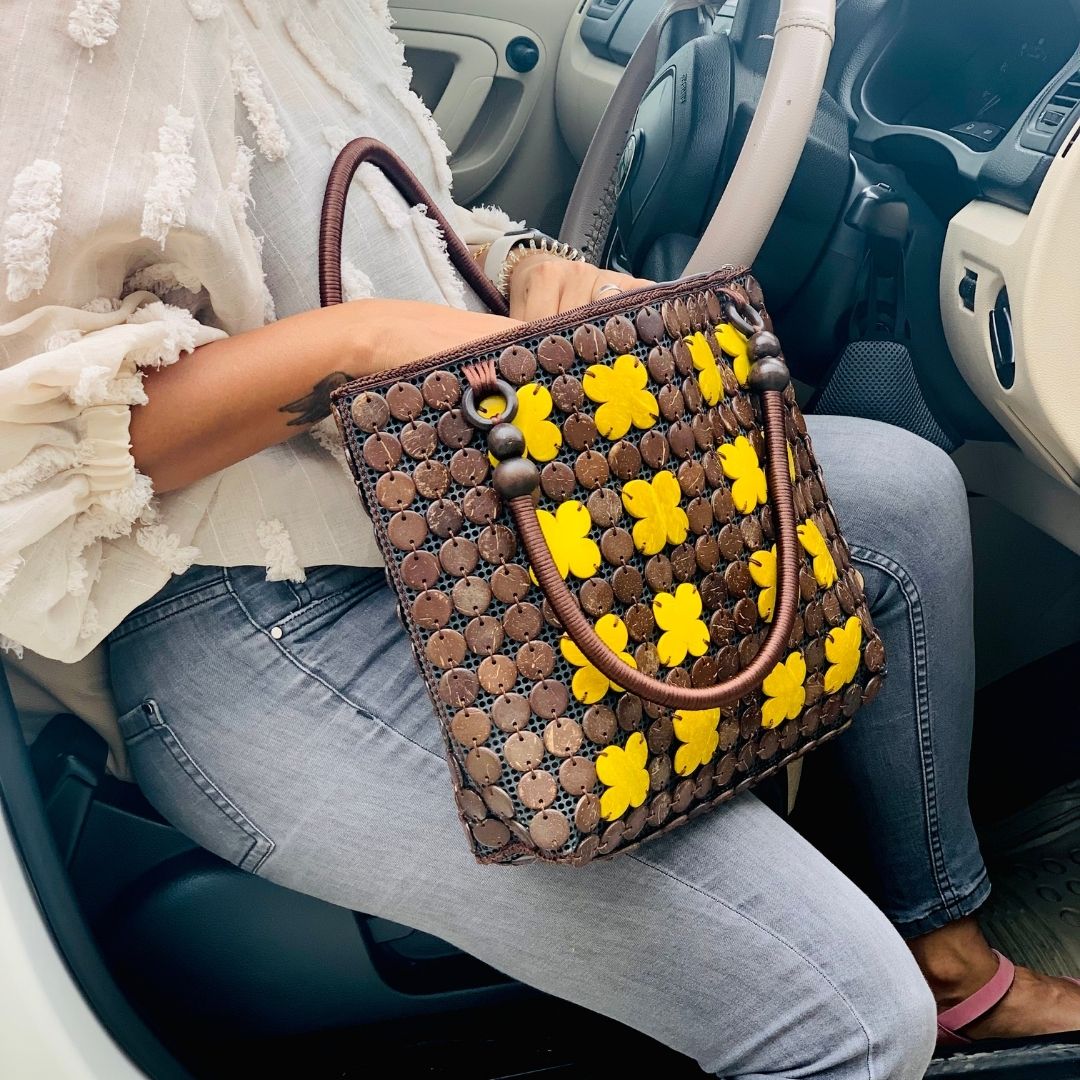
[[609, 287]]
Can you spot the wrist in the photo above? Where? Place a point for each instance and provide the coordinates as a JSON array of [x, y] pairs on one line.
[[498, 250], [352, 337], [527, 249]]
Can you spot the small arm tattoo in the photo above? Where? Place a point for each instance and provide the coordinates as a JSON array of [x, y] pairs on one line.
[[315, 406]]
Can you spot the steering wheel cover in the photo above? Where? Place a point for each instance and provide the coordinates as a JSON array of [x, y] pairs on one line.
[[802, 44], [803, 41]]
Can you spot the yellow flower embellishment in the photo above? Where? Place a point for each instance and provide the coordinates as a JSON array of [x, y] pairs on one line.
[[735, 346], [696, 730], [763, 572], [622, 771], [790, 463], [589, 684], [655, 503], [824, 567], [741, 464], [680, 617], [842, 648], [712, 388], [566, 533], [621, 391], [784, 688], [542, 437]]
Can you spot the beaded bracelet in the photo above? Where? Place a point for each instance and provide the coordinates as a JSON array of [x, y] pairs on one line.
[[537, 243]]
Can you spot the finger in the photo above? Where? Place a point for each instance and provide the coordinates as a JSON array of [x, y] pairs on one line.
[[609, 282], [605, 289]]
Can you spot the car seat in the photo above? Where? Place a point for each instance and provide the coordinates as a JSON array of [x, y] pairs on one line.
[[226, 968]]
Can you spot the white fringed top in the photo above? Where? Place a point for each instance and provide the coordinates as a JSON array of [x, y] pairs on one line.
[[163, 169]]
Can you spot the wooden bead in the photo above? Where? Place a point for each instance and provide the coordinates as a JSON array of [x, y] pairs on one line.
[[515, 477]]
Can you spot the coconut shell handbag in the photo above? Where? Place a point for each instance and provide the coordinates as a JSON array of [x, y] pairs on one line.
[[613, 552]]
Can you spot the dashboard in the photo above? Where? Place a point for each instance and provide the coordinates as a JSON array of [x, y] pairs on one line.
[[986, 89], [977, 104], [969, 68], [970, 109]]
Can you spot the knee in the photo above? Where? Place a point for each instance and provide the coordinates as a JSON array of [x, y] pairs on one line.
[[886, 1023], [909, 505], [903, 473], [903, 1039]]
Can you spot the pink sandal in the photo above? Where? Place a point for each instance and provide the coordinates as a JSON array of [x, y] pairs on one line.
[[979, 1004]]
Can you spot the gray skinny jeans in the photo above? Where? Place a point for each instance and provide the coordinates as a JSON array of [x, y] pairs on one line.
[[285, 728]]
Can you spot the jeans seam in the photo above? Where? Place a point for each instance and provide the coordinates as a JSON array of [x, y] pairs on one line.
[[313, 609], [776, 937], [300, 666], [217, 797], [165, 610], [967, 904], [947, 890]]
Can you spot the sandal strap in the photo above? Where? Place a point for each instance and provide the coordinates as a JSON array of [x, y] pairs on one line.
[[982, 1001]]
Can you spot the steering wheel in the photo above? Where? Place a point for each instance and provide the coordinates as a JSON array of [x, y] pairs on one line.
[[620, 173]]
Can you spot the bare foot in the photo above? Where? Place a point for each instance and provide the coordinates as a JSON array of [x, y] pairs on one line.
[[957, 960]]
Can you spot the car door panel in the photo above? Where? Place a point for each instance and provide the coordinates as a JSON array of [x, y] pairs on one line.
[[454, 74], [499, 122], [583, 88]]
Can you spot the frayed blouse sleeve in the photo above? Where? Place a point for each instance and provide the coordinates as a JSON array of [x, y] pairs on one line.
[[124, 247], [482, 224], [68, 482]]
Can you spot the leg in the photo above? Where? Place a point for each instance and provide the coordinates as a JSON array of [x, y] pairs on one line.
[[732, 941], [903, 508]]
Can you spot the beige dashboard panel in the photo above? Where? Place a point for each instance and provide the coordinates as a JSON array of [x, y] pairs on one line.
[[1036, 257]]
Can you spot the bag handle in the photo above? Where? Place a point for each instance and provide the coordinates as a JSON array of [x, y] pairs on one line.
[[332, 221], [520, 477]]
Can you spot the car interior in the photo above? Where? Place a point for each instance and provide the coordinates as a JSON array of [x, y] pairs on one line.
[[920, 269]]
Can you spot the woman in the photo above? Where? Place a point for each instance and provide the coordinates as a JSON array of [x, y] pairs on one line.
[[169, 481]]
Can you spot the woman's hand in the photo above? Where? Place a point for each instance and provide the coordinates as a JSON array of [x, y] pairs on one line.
[[544, 284], [234, 397], [396, 332]]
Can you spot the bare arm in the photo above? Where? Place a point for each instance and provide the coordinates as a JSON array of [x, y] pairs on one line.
[[234, 397]]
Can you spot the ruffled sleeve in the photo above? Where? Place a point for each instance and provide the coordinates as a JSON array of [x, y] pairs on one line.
[[483, 224], [68, 482], [124, 246]]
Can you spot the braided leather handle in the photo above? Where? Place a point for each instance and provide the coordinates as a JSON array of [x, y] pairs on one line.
[[332, 222], [776, 642]]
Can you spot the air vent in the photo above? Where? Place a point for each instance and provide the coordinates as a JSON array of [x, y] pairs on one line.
[[1066, 97], [1053, 115], [603, 9], [1068, 94]]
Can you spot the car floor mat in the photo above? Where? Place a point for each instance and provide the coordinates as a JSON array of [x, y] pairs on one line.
[[1033, 914]]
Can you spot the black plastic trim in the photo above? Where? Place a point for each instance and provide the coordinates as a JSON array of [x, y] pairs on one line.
[[612, 29], [1010, 173], [22, 807]]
